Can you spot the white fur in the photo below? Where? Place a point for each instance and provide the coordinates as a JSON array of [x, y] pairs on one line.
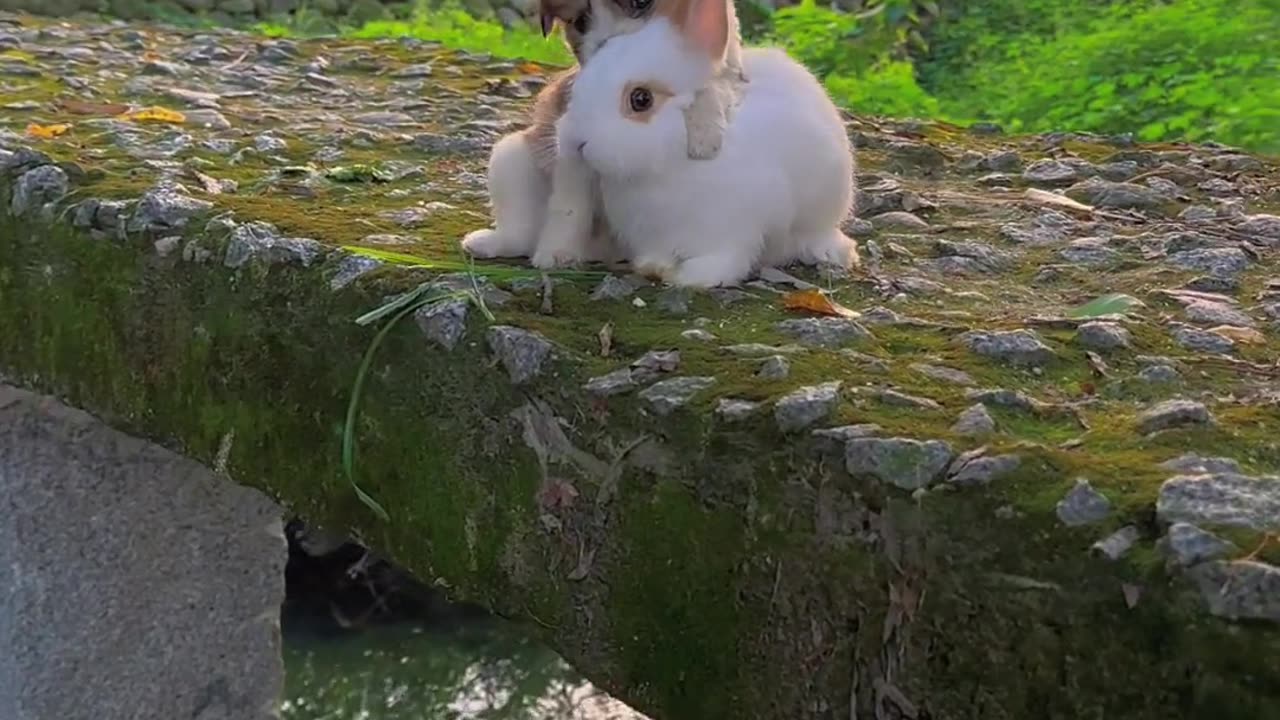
[[776, 193], [518, 191]]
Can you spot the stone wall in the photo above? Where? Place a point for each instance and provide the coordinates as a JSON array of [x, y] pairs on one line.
[[137, 583]]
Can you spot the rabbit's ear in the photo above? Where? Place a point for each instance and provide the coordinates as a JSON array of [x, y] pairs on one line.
[[704, 24]]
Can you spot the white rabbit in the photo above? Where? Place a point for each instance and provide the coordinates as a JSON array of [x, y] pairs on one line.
[[544, 204], [776, 193]]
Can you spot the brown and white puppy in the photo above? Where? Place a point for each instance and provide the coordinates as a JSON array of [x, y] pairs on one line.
[[544, 203]]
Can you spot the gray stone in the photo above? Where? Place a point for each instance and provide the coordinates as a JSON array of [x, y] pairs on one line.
[[522, 352], [443, 322], [269, 144], [774, 367], [1209, 312], [1221, 262], [1082, 505], [1224, 498], [1015, 347], [117, 565], [614, 383], [1193, 338], [945, 374], [1159, 374], [974, 421], [838, 437], [1103, 336], [979, 257], [762, 350], [1261, 227], [656, 361], [667, 396], [902, 462], [731, 410], [163, 209], [1107, 194], [824, 332], [1117, 544], [1189, 463], [968, 471], [1005, 398], [23, 160], [1050, 173], [612, 288], [901, 399], [1186, 545], [350, 268], [698, 334], [259, 241], [804, 407], [1240, 590], [166, 246], [38, 187], [1173, 414], [674, 300], [898, 220], [1089, 251]]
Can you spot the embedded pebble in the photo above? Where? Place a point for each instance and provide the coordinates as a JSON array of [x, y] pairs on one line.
[[1016, 347], [774, 367], [901, 399], [1083, 505], [443, 322], [667, 396], [945, 374], [1193, 338], [804, 407], [1173, 414], [1102, 336], [823, 332], [522, 352], [974, 421], [903, 462], [1208, 312]]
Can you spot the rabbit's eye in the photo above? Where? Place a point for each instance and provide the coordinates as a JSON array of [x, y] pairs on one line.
[[639, 7], [581, 23], [641, 99]]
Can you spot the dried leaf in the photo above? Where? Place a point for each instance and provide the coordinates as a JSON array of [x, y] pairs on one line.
[[606, 339], [47, 132], [529, 68], [1131, 594], [151, 56], [155, 114], [557, 493], [813, 301], [1239, 334], [80, 107]]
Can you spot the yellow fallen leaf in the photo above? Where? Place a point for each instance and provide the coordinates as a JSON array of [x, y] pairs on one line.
[[150, 56], [1239, 334], [530, 68], [813, 301], [47, 132], [155, 114]]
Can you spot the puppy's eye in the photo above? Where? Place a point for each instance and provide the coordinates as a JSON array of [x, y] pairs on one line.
[[640, 100], [639, 7], [581, 23]]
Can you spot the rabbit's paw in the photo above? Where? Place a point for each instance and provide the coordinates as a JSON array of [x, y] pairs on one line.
[[829, 247], [712, 270], [551, 255], [490, 243]]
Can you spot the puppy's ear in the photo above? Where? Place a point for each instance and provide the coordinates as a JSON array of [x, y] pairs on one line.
[[703, 23]]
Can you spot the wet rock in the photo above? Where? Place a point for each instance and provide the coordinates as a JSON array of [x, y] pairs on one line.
[[974, 421], [731, 410], [1102, 336], [444, 323], [1083, 505], [1208, 312], [828, 332], [1106, 194], [968, 470], [1015, 347], [903, 462], [1221, 262], [1240, 590], [1199, 340], [350, 268], [1191, 463], [36, 188], [1222, 498], [1186, 545], [1173, 414], [163, 209], [1117, 544], [804, 407], [260, 241], [615, 383], [668, 396], [774, 367], [944, 374], [522, 353]]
